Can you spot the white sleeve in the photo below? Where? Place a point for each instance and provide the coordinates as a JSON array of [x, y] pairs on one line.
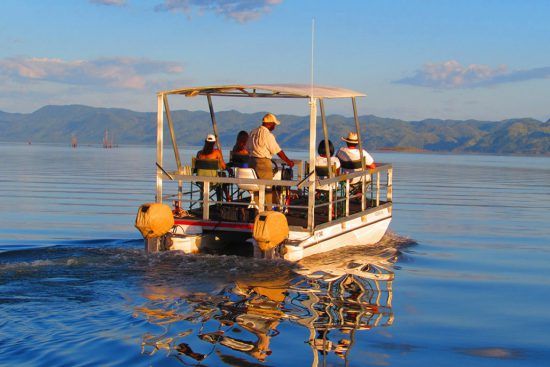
[[368, 158], [272, 145]]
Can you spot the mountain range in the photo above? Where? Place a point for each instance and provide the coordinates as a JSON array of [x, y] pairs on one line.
[[57, 124]]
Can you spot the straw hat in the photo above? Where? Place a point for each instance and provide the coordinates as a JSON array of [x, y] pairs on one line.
[[351, 138], [270, 118], [210, 138]]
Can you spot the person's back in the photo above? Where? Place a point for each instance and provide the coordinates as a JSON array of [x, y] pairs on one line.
[[261, 146], [353, 155], [350, 157], [209, 152], [322, 163], [239, 153]]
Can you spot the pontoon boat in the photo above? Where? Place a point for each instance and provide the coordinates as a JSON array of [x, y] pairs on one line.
[[351, 209]]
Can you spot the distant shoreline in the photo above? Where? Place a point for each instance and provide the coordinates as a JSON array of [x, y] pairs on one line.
[[522, 136], [403, 150]]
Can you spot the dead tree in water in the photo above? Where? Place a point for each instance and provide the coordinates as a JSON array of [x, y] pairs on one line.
[[107, 142]]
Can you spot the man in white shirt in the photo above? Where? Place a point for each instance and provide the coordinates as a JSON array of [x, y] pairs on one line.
[[350, 156], [261, 146]]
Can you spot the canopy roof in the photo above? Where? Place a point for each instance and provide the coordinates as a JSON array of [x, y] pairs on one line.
[[268, 91]]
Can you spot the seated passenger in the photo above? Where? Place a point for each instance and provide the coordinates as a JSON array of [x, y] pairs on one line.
[[239, 153], [321, 161], [350, 156], [210, 152]]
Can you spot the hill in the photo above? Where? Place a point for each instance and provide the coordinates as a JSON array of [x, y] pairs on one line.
[[56, 124]]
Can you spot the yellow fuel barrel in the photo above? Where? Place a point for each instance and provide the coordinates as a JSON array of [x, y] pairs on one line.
[[270, 229], [154, 219]]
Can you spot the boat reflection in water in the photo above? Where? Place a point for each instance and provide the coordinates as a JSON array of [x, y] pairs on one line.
[[334, 297]]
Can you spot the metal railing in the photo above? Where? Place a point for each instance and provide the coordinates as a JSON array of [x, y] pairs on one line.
[[373, 188]]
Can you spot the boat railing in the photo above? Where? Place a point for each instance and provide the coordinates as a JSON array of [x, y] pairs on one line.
[[202, 185], [374, 188]]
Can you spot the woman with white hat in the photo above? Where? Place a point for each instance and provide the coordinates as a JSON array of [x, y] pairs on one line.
[[209, 151]]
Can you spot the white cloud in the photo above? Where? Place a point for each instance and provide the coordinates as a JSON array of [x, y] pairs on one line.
[[451, 74], [119, 73], [109, 2], [239, 10]]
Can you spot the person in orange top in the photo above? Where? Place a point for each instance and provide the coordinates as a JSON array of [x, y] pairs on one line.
[[209, 151]]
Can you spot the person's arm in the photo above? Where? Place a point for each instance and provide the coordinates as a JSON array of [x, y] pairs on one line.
[[336, 162], [368, 158], [222, 162], [283, 156]]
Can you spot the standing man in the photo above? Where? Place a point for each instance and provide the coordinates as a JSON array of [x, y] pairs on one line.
[[262, 146]]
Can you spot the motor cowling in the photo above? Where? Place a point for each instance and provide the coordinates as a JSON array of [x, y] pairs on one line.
[[270, 229], [154, 219]]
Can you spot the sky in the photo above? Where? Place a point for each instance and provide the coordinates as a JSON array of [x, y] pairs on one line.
[[415, 59]]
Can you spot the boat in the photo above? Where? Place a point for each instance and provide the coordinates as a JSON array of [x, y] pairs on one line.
[[354, 208]]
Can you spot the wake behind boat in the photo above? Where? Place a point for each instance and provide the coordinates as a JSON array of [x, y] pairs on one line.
[[316, 210]]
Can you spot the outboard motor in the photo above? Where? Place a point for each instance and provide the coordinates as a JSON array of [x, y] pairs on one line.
[[154, 220], [270, 230]]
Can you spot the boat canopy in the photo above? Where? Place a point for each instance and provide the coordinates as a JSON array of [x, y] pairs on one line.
[[268, 91]]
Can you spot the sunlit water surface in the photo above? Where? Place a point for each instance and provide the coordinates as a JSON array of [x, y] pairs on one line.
[[463, 278]]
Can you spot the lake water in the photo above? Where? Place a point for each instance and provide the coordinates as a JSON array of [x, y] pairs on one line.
[[462, 279]]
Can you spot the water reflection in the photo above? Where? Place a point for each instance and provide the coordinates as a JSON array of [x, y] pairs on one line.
[[332, 298]]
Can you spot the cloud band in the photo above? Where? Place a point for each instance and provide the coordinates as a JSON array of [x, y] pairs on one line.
[[122, 72], [239, 10], [452, 75]]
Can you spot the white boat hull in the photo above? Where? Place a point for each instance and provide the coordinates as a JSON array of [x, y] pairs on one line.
[[354, 231], [364, 230]]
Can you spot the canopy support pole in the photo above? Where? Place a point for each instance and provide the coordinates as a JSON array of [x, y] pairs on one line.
[[312, 140], [328, 155], [214, 124], [172, 133], [358, 131]]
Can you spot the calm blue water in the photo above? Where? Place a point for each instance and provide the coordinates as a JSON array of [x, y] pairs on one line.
[[462, 279]]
